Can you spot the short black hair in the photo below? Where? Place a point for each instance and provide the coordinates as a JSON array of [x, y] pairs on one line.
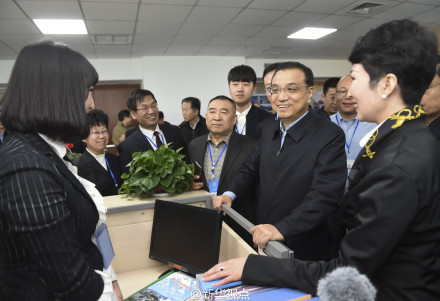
[[194, 101], [332, 82], [96, 118], [403, 48], [270, 68], [123, 114], [47, 90], [161, 116], [136, 97], [242, 73], [310, 79], [222, 97]]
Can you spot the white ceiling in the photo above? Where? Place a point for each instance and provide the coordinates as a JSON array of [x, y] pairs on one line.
[[249, 28]]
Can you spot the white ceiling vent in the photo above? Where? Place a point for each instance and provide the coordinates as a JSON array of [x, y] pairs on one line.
[[108, 39], [366, 8]]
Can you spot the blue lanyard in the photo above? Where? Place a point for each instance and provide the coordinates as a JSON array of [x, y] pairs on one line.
[[242, 130], [351, 140], [108, 165], [210, 154], [153, 142]]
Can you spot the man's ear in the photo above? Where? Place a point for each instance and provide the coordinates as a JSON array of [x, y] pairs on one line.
[[133, 114]]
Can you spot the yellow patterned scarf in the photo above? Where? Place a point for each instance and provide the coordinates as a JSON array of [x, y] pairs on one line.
[[392, 123]]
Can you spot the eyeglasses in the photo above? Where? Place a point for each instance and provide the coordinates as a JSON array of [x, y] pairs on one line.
[[153, 106], [99, 133], [290, 89], [342, 92]]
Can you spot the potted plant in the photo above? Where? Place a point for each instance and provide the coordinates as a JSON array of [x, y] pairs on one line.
[[162, 170]]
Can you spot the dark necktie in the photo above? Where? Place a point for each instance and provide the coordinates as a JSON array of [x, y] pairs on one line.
[[158, 141]]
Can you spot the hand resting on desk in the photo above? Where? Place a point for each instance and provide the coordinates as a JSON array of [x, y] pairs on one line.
[[230, 271]]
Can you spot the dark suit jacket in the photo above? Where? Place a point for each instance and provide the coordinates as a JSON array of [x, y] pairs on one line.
[[239, 149], [301, 184], [189, 134], [90, 169], [46, 222], [253, 120], [434, 127], [395, 239], [137, 142]]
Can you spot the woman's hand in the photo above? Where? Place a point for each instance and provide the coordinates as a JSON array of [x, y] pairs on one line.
[[230, 271]]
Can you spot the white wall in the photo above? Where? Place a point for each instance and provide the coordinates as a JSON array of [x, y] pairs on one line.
[[173, 78]]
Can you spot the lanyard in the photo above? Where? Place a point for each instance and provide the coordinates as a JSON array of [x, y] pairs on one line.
[[153, 142], [210, 154], [242, 130], [108, 165], [351, 140]]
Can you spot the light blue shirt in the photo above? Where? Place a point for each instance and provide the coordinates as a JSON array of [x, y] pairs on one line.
[[354, 131]]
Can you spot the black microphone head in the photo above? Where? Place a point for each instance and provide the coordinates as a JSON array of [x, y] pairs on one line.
[[346, 284]]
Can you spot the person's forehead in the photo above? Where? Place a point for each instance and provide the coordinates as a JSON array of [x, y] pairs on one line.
[[287, 76], [220, 104], [268, 76], [147, 100], [344, 83]]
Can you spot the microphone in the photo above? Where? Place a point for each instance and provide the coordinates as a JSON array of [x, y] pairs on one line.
[[346, 284]]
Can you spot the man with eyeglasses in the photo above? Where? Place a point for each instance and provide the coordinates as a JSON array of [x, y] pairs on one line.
[[346, 118], [149, 135], [300, 164], [242, 80], [328, 97], [431, 104]]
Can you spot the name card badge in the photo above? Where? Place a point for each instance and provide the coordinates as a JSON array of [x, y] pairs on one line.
[[350, 164], [213, 186], [105, 245]]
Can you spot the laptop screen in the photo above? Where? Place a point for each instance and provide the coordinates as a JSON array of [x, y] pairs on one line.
[[186, 237]]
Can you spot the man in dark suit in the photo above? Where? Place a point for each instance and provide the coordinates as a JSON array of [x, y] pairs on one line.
[[301, 165], [220, 154], [242, 80], [149, 135]]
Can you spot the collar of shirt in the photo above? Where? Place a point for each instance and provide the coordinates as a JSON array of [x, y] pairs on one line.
[[99, 158], [284, 131], [150, 133], [342, 120], [225, 140], [292, 124], [365, 139], [244, 113], [195, 124], [58, 147]]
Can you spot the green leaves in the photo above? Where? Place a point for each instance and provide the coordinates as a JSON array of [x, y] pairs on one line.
[[164, 167]]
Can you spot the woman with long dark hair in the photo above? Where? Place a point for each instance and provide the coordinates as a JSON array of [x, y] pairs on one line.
[[48, 217]]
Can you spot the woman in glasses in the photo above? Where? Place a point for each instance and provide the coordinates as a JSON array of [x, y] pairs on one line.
[[48, 214], [393, 214], [100, 168]]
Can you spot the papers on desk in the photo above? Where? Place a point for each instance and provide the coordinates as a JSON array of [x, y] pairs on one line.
[[176, 286]]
